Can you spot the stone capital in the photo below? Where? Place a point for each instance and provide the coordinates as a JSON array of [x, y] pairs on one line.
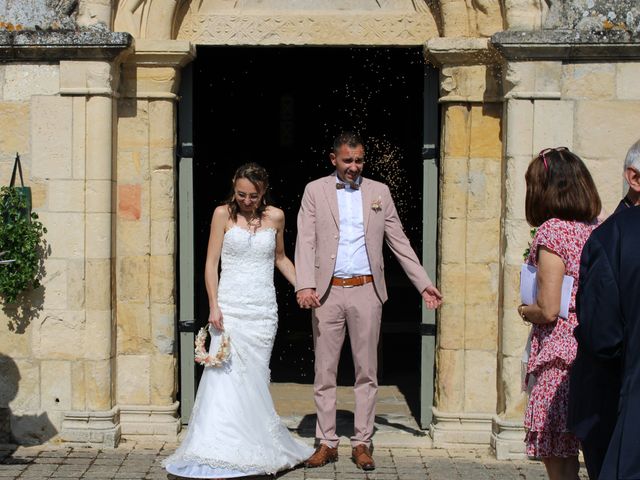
[[540, 80], [153, 70], [469, 69], [471, 84], [87, 78]]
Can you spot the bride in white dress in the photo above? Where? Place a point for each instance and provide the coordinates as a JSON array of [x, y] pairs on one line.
[[234, 430]]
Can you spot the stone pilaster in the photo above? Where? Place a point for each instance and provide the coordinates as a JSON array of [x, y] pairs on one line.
[[532, 97], [145, 239], [470, 239], [87, 93]]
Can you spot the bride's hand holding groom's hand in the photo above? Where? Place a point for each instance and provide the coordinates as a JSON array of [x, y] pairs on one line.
[[215, 318], [307, 298]]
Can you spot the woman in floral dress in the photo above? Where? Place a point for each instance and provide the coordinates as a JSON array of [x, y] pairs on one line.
[[563, 203]]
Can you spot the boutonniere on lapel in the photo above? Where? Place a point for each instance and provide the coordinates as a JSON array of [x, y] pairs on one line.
[[376, 205]]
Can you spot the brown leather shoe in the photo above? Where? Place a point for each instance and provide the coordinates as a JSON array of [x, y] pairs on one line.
[[361, 455], [324, 454]]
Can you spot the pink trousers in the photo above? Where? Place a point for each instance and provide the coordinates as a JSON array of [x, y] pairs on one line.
[[359, 310]]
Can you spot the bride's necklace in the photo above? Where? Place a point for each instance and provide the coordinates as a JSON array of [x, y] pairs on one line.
[[253, 222]]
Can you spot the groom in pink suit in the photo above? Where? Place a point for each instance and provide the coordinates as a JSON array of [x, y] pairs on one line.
[[342, 224]]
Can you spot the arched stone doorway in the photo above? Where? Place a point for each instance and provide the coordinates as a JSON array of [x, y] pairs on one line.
[[168, 30]]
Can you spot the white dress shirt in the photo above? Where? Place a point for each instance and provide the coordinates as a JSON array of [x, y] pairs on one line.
[[352, 259]]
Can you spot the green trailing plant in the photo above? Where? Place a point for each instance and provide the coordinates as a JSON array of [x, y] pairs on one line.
[[525, 254], [22, 239]]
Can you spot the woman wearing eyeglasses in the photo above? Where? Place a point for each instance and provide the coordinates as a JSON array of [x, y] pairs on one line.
[[563, 203]]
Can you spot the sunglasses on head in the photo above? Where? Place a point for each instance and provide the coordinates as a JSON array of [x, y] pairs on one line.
[[543, 154]]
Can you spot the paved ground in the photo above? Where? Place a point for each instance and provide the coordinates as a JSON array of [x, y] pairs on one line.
[[403, 450], [140, 461]]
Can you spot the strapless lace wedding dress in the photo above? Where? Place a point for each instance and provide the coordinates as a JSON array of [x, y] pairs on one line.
[[234, 430]]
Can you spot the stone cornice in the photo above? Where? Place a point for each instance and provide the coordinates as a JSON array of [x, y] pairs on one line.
[[460, 51], [51, 46], [567, 45], [162, 53]]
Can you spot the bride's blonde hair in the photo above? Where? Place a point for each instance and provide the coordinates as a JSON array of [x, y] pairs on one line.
[[259, 177]]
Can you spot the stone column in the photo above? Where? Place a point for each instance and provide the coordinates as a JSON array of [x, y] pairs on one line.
[[145, 239], [470, 241], [87, 90], [532, 96]]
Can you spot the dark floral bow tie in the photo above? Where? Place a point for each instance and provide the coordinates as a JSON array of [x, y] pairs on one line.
[[352, 186]]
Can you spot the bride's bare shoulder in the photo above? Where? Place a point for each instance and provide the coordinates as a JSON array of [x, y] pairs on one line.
[[274, 215], [221, 212]]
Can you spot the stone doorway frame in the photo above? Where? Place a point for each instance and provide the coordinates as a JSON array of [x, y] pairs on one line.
[[430, 186], [469, 82]]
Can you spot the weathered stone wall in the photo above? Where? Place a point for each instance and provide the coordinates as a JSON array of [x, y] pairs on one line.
[[27, 351], [60, 334]]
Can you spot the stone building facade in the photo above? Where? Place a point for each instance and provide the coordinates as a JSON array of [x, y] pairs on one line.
[[91, 355]]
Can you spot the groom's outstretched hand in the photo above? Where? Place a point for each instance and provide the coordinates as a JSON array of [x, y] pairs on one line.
[[432, 297], [307, 298]]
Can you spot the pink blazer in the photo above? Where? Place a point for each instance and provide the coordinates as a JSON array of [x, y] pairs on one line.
[[319, 230]]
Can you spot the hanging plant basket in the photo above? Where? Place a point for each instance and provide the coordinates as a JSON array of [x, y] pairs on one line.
[[21, 240]]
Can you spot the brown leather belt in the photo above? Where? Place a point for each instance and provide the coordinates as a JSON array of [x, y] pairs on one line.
[[351, 282]]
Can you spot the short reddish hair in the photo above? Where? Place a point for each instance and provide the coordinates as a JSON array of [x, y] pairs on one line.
[[559, 185]]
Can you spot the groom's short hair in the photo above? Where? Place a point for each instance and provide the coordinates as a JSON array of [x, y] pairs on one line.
[[350, 139]]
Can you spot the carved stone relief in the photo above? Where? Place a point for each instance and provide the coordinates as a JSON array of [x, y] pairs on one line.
[[525, 14], [334, 5], [487, 17], [129, 17], [300, 29], [470, 18], [297, 22], [151, 19], [309, 22]]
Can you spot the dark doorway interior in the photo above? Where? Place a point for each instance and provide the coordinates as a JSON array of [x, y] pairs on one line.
[[281, 107]]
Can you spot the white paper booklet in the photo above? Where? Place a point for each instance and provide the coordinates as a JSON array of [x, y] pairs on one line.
[[529, 288]]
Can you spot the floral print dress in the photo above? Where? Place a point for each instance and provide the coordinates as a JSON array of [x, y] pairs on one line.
[[553, 348]]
